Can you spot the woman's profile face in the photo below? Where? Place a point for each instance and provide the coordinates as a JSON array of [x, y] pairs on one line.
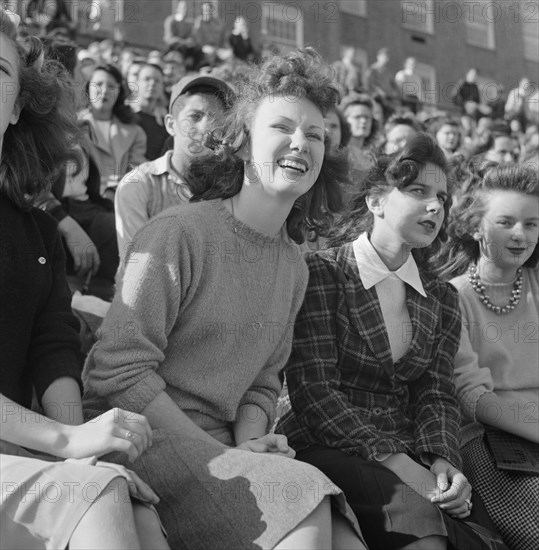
[[9, 85], [103, 91]]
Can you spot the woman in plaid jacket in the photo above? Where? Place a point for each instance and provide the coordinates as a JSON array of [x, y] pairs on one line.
[[370, 374]]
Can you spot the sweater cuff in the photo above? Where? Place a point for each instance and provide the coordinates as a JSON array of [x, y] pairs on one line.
[[140, 395], [469, 402], [252, 397]]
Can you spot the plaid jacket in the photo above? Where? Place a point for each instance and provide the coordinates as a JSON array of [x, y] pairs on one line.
[[345, 390]]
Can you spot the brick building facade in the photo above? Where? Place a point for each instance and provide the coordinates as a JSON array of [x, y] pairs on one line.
[[500, 37]]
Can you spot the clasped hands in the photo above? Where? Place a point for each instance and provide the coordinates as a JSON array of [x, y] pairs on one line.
[[269, 443], [444, 485]]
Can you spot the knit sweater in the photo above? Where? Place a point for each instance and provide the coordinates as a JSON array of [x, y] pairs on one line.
[[205, 312], [498, 353]]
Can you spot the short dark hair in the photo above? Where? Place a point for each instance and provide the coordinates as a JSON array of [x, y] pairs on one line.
[[397, 170]]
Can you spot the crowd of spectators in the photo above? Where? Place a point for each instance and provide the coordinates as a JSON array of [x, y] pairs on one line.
[[145, 119]]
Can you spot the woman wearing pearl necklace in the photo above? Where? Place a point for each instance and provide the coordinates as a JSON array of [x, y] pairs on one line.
[[493, 254]]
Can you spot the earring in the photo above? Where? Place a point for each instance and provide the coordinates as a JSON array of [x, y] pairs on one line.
[[477, 236]]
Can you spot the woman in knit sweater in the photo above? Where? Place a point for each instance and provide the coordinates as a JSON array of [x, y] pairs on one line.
[[492, 255], [199, 330]]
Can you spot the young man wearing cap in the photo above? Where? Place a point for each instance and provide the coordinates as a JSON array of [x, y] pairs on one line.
[[195, 103]]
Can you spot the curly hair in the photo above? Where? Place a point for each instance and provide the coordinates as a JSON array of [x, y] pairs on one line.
[[36, 148], [123, 112], [462, 249], [387, 172], [220, 174]]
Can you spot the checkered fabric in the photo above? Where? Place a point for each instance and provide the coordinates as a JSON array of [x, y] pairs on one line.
[[345, 389], [511, 498]]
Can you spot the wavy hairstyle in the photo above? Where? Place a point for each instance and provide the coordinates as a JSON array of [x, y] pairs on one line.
[[36, 148], [462, 249], [123, 112], [220, 174], [395, 171]]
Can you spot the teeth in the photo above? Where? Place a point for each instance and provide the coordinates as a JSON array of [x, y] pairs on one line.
[[291, 164]]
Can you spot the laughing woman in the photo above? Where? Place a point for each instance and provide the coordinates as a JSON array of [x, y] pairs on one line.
[[197, 334]]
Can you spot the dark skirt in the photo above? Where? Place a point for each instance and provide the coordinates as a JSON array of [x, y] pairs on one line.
[[511, 498], [390, 513]]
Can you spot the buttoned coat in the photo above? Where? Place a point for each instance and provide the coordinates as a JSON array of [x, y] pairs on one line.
[[346, 392]]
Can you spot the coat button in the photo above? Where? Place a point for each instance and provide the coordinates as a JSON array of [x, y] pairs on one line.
[[377, 411], [42, 260]]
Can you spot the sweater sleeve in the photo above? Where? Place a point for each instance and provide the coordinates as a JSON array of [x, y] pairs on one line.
[[122, 366], [267, 386], [54, 349], [471, 380]]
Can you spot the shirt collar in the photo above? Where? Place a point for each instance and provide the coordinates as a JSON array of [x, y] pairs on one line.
[[373, 271], [162, 166]]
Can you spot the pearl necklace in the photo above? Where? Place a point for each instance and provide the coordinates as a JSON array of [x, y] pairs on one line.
[[480, 288]]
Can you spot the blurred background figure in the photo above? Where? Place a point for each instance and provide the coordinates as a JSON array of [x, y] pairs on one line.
[[240, 41], [118, 145], [209, 33], [173, 70], [467, 95], [446, 131], [347, 72], [338, 129], [398, 130], [409, 85], [519, 103], [150, 108], [358, 111], [380, 82]]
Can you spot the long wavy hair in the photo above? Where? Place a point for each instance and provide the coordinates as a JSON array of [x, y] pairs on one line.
[[465, 219], [123, 112], [220, 174], [387, 172], [36, 148]]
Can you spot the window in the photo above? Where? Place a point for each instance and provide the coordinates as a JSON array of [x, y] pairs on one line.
[[282, 26], [353, 7], [429, 90], [480, 18], [530, 30], [418, 15]]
